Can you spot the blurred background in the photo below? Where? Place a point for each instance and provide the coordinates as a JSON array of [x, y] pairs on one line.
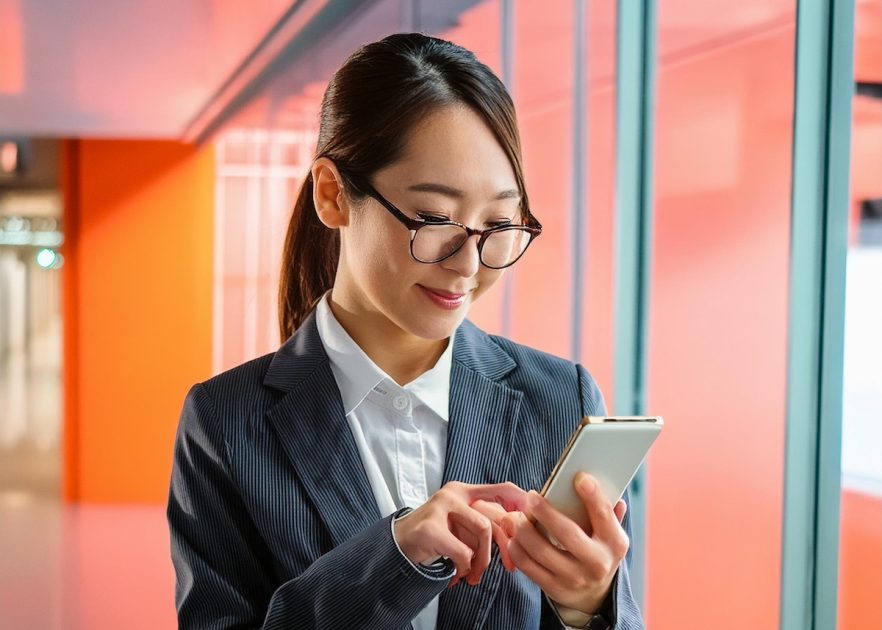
[[149, 156]]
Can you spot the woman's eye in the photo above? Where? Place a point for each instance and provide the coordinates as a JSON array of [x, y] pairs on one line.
[[500, 223], [432, 218]]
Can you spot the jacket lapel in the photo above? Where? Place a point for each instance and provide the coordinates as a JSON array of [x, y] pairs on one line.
[[483, 421], [314, 432]]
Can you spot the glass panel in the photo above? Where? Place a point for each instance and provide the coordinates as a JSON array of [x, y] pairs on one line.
[[598, 188], [718, 314], [860, 559], [31, 330], [541, 314]]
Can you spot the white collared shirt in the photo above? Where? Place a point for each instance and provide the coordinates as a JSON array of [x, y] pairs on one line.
[[401, 432]]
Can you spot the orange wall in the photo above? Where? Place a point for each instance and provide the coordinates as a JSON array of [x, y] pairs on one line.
[[860, 561], [138, 309]]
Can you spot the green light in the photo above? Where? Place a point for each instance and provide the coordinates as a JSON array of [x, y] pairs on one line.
[[47, 258]]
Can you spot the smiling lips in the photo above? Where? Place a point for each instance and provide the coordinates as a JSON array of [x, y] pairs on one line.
[[444, 299]]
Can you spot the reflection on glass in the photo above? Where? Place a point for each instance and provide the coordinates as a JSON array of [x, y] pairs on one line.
[[30, 374], [860, 551], [718, 311]]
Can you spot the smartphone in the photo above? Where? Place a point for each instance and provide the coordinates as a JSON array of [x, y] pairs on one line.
[[611, 449]]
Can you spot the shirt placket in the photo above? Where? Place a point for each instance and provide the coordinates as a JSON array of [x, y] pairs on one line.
[[411, 470]]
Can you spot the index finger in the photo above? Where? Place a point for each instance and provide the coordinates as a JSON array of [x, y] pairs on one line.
[[490, 509], [496, 514], [507, 494]]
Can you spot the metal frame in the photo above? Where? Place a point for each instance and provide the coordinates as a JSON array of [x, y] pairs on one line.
[[506, 37], [819, 242], [579, 204], [302, 24], [635, 103]]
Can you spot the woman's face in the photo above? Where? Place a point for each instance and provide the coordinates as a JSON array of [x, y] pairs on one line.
[[452, 167]]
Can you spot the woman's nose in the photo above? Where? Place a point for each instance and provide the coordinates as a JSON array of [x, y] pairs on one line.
[[467, 260]]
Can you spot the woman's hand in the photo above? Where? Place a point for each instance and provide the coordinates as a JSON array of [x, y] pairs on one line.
[[579, 572], [447, 525]]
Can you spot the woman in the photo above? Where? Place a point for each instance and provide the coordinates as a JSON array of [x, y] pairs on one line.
[[371, 473]]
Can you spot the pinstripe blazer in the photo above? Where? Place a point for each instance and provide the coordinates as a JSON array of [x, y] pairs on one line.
[[272, 519]]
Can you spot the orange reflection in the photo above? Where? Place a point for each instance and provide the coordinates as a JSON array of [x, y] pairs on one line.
[[867, 42], [11, 48]]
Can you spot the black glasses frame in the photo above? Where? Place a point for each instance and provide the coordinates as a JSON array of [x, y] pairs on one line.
[[533, 227]]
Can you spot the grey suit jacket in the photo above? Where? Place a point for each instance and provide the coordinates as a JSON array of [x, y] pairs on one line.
[[273, 522]]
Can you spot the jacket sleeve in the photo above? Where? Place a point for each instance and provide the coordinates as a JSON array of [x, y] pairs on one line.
[[225, 571], [620, 608]]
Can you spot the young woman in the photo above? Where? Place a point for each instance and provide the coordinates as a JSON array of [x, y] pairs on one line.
[[374, 471]]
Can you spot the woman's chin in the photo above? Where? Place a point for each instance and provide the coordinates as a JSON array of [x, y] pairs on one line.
[[438, 327]]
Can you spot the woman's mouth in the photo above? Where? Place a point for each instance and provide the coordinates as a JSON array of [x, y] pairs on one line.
[[444, 299]]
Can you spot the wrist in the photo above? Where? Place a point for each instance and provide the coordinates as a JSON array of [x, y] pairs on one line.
[[591, 613], [399, 533], [438, 569], [574, 619], [590, 603]]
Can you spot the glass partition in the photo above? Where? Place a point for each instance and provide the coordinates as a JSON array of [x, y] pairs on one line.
[[717, 355], [860, 547]]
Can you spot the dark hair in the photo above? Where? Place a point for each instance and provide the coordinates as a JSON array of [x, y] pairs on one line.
[[369, 106]]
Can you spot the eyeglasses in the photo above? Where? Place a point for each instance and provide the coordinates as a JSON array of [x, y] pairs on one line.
[[432, 241]]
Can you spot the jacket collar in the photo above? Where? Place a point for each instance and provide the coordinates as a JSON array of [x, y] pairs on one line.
[[303, 353]]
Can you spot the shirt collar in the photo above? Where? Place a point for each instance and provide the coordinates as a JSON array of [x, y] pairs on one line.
[[356, 374]]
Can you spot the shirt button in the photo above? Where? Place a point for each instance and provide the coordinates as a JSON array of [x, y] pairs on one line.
[[399, 402]]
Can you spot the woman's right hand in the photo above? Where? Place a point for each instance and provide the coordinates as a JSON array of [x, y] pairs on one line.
[[446, 525]]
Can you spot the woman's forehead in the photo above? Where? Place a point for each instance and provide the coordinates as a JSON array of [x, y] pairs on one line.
[[454, 148]]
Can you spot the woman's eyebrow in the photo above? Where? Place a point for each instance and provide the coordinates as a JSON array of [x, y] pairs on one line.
[[449, 191]]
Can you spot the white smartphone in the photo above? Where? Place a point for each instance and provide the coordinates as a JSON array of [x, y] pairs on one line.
[[611, 449]]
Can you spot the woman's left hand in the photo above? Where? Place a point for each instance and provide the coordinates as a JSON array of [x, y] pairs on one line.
[[579, 573]]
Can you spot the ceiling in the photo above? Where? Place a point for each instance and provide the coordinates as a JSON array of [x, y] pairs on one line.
[[151, 68], [117, 68]]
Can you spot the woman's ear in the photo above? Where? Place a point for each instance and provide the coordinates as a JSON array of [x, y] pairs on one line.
[[327, 194]]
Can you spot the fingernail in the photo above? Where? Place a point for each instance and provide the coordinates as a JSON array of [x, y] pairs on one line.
[[586, 482], [534, 500]]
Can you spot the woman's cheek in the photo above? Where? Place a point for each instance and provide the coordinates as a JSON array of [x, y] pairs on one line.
[[486, 279]]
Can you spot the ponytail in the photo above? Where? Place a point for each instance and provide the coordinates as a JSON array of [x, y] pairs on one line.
[[309, 262]]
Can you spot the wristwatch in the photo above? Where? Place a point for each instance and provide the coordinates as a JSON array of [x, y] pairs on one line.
[[574, 620], [601, 620]]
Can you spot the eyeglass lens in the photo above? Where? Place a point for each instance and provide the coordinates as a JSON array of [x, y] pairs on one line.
[[436, 242]]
